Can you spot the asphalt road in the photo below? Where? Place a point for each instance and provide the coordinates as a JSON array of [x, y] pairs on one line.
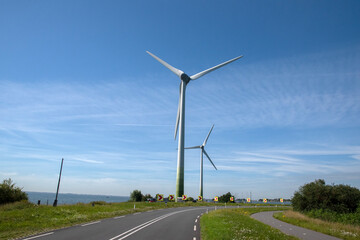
[[173, 223], [299, 232]]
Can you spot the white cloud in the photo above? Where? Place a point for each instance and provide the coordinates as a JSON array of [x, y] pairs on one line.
[[121, 130]]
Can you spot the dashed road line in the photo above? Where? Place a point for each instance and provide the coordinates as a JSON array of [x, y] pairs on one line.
[[194, 228], [38, 236], [119, 217], [87, 224], [136, 213], [196, 220]]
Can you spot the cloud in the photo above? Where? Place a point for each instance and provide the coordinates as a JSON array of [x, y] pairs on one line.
[[310, 91], [124, 130], [8, 174], [279, 162], [85, 160]]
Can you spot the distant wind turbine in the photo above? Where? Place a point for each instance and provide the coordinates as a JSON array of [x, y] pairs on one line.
[[202, 152], [180, 119]]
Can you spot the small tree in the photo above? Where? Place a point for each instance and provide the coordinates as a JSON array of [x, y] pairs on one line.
[[225, 198], [190, 199], [9, 193], [146, 196], [136, 196]]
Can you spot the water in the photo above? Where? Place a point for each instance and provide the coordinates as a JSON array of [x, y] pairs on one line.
[[70, 198]]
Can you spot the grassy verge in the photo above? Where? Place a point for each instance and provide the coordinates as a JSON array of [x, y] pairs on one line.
[[343, 231], [23, 219], [237, 224]]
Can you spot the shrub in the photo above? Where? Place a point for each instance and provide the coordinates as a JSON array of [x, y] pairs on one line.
[[9, 193], [334, 198], [136, 196], [99, 203], [146, 196], [225, 198]]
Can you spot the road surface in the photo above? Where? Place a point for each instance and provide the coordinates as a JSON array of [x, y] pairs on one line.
[[172, 223], [299, 232]]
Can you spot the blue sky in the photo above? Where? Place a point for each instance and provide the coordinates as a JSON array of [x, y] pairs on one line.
[[76, 83]]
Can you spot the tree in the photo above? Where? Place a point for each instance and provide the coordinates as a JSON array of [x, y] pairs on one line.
[[136, 196], [225, 198], [9, 193], [190, 199], [318, 195], [146, 196]]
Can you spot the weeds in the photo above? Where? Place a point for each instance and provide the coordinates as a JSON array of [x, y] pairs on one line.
[[237, 224], [344, 231]]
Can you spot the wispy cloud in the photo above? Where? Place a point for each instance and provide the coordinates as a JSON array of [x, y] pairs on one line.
[[279, 162], [124, 130], [307, 91]]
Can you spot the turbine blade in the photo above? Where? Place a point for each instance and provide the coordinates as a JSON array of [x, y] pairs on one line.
[[178, 113], [200, 74], [193, 147], [171, 68], [210, 159], [208, 135]]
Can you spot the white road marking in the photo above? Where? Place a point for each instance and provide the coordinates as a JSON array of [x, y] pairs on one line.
[[195, 220], [119, 217], [87, 224], [194, 238], [194, 228], [42, 235], [136, 213], [146, 224]]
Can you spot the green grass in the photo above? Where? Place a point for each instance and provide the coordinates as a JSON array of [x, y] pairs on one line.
[[23, 219], [237, 224], [340, 230]]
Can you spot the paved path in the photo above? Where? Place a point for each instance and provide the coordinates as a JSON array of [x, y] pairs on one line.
[[172, 224], [299, 232]]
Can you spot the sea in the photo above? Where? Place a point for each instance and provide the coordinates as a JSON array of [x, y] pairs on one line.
[[46, 198]]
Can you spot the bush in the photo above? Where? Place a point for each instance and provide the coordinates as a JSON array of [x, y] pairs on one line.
[[136, 196], [225, 197], [190, 199], [334, 198], [99, 203], [24, 204], [9, 193], [146, 196], [331, 216]]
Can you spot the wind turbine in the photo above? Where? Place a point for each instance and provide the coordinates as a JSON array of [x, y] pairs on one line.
[[180, 119], [202, 152]]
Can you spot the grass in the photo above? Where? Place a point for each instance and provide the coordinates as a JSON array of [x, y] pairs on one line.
[[23, 219], [340, 230], [237, 224]]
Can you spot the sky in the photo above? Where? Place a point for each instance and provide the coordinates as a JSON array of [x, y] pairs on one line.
[[76, 83]]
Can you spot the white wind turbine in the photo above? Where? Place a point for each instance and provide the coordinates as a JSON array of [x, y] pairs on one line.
[[202, 152], [180, 119]]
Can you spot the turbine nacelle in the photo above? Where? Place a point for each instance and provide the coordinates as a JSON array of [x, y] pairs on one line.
[[184, 77]]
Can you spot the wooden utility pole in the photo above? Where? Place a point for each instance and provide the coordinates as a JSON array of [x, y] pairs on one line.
[[57, 191]]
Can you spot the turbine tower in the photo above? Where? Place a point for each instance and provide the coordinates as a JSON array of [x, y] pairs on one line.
[[202, 152], [180, 119]]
